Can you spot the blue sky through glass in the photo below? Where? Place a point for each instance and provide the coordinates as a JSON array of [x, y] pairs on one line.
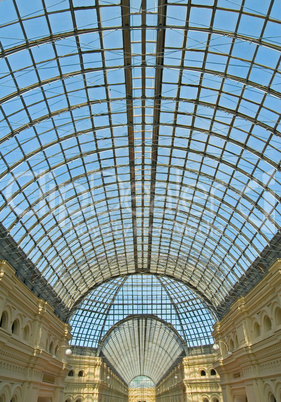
[[155, 151], [169, 300]]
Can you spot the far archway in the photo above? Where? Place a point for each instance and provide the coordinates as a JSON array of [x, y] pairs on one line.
[[142, 388]]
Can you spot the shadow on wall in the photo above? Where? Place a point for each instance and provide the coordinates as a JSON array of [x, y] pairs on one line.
[[240, 398]]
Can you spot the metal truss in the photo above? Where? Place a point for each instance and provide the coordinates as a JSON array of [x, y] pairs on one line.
[[170, 300], [140, 138], [142, 345]]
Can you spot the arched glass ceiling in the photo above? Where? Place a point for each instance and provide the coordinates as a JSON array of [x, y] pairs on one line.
[[142, 346], [141, 136], [166, 298]]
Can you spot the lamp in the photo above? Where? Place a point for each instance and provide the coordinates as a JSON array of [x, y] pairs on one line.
[[216, 347], [67, 352]]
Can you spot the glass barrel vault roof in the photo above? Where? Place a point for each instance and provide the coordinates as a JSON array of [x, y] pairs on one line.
[[142, 346], [169, 300], [141, 136]]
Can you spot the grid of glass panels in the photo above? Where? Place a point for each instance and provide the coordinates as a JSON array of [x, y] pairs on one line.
[[163, 297], [140, 136], [141, 382]]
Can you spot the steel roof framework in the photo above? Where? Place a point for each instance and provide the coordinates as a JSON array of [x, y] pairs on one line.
[[142, 345], [142, 294], [141, 137]]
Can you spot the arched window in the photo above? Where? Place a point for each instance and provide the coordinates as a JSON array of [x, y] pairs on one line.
[[205, 400], [213, 372], [203, 373], [81, 373], [71, 373], [272, 398], [257, 330], [231, 345], [51, 348], [267, 323], [16, 327], [215, 400], [4, 322]]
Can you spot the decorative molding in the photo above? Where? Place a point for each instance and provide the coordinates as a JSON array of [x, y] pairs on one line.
[[271, 364], [13, 368]]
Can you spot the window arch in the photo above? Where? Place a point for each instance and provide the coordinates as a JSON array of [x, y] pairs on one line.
[[16, 327], [70, 373], [6, 394], [51, 348], [203, 373], [4, 321], [267, 323], [17, 395], [272, 398], [257, 330], [213, 372], [81, 373]]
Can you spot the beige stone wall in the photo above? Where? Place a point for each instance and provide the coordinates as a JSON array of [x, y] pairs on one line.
[[172, 387], [187, 384], [32, 344], [33, 366], [92, 380], [249, 361], [142, 394], [201, 379]]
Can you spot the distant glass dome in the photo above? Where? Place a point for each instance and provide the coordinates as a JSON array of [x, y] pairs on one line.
[[168, 299], [142, 382]]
